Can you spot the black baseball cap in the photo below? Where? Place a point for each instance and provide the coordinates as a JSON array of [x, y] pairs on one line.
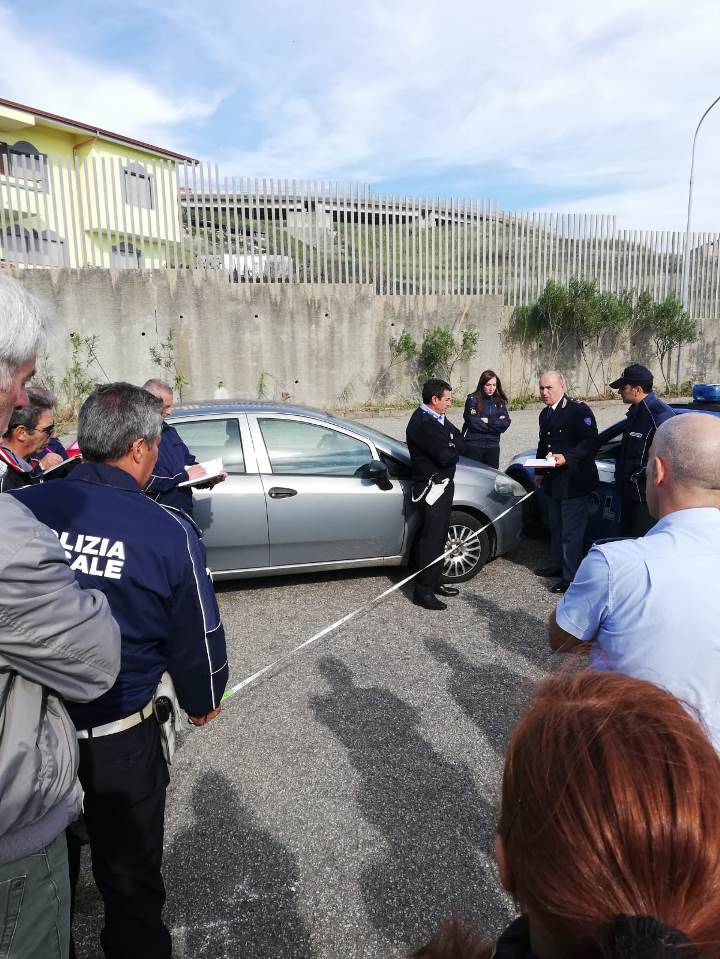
[[634, 374]]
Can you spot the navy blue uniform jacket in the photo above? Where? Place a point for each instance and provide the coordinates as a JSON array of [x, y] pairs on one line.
[[173, 457], [569, 429], [477, 433], [150, 563], [434, 446], [643, 420]]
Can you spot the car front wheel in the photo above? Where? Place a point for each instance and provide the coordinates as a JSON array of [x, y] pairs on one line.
[[471, 549]]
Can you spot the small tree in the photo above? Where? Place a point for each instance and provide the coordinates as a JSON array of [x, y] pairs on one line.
[[78, 381], [670, 327], [163, 355], [437, 354]]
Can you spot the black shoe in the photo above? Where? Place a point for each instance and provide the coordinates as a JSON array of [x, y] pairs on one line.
[[561, 587], [447, 591], [548, 571], [428, 601]]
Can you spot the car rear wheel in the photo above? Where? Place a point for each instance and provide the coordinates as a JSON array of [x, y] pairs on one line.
[[471, 548]]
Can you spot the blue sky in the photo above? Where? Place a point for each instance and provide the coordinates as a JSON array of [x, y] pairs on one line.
[[554, 106]]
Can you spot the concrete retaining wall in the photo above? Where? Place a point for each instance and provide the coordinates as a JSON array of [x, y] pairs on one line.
[[319, 345]]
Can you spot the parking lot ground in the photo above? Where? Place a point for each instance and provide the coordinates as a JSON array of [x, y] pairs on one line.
[[345, 805]]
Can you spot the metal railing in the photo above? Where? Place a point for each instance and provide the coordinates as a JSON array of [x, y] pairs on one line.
[[100, 211]]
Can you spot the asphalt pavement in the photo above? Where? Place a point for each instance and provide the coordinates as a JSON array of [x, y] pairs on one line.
[[344, 806]]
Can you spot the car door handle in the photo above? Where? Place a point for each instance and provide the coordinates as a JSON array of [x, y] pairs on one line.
[[281, 492]]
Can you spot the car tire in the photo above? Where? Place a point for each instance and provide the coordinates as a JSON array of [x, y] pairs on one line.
[[474, 551]]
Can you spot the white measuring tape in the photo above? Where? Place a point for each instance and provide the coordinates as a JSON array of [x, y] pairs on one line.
[[356, 612]]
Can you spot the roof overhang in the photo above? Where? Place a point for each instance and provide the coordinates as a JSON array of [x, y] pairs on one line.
[[16, 116]]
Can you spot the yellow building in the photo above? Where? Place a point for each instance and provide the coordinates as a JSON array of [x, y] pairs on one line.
[[75, 195]]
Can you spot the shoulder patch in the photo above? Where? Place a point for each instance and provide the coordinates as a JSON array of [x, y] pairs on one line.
[[588, 421]]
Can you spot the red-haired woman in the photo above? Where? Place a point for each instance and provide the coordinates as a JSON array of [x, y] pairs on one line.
[[609, 832], [486, 418]]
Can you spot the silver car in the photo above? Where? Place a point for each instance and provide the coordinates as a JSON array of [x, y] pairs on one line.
[[307, 491]]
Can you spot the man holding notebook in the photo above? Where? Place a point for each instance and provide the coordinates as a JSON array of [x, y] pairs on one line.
[[175, 463]]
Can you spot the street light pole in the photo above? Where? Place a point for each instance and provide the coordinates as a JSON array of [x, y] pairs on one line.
[[686, 251]]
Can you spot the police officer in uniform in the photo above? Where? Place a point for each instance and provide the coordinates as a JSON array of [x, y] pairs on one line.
[[645, 414], [568, 432], [434, 445], [150, 564], [175, 463]]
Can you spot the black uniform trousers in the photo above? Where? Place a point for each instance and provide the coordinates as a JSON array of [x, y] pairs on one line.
[[568, 520], [125, 777], [488, 455], [433, 536]]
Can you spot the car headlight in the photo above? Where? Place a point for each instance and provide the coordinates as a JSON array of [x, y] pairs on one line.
[[506, 487]]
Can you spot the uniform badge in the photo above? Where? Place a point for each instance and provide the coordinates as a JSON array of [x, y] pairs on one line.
[[452, 436], [473, 412], [587, 421]]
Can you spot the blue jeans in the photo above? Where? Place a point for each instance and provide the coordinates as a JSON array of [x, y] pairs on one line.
[[35, 905]]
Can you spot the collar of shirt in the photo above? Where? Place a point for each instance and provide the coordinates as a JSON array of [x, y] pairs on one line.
[[440, 417], [104, 475], [555, 405], [686, 518], [12, 459]]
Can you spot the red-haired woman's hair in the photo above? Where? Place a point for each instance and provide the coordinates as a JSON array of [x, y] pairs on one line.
[[499, 393], [611, 806]]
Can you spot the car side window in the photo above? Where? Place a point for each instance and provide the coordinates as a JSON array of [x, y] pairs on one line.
[[295, 447], [214, 439], [609, 450]]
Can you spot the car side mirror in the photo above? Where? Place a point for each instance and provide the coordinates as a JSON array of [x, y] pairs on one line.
[[376, 471]]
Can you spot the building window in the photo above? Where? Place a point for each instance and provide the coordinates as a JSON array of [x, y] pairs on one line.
[[25, 162], [139, 186], [47, 248], [16, 242], [44, 248], [124, 256]]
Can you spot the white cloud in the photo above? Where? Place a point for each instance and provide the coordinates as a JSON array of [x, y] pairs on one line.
[[40, 74], [588, 107]]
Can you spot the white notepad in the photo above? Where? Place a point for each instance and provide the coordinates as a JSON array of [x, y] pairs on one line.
[[213, 468]]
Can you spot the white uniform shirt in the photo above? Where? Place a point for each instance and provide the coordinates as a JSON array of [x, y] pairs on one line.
[[652, 605]]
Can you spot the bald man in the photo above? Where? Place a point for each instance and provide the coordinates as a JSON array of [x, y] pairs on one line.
[[650, 607], [569, 433]]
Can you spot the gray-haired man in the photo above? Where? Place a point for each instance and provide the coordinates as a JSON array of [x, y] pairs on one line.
[[151, 565], [56, 640]]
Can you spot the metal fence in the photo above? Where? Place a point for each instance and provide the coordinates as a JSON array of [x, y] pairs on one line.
[[106, 212]]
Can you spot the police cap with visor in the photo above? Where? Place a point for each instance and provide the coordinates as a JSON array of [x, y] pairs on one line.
[[634, 375]]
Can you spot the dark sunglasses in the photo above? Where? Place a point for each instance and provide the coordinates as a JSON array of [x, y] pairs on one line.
[[47, 430]]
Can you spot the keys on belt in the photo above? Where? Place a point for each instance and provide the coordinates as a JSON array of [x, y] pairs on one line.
[[117, 727]]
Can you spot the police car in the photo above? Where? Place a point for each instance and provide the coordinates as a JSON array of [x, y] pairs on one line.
[[307, 491], [604, 501]]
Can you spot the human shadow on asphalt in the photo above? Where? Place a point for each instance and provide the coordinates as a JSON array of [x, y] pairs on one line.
[[231, 884], [488, 693], [428, 809], [514, 630], [530, 554]]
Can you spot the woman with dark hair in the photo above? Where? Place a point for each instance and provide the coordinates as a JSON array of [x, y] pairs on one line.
[[609, 831], [486, 418]]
